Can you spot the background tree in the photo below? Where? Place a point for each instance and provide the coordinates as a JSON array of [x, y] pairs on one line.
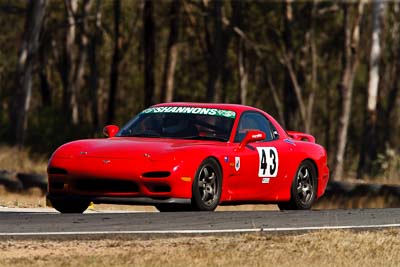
[[114, 73], [27, 56], [149, 53], [289, 99], [368, 147], [95, 39], [307, 63], [171, 53], [350, 60]]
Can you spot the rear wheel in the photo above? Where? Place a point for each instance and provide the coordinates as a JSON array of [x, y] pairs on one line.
[[304, 188], [70, 206], [207, 185]]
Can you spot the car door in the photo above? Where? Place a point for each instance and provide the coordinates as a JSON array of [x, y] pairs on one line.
[[260, 166]]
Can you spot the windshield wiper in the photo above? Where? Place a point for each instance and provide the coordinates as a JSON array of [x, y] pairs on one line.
[[144, 135], [206, 137]]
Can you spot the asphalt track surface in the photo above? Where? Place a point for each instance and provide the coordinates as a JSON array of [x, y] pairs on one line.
[[50, 223]]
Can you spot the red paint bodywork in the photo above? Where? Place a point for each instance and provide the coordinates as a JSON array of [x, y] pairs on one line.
[[121, 167]]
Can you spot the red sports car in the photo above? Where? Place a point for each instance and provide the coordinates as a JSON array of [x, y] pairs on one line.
[[190, 156]]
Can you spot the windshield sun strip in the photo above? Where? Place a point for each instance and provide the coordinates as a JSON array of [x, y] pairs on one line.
[[192, 110]]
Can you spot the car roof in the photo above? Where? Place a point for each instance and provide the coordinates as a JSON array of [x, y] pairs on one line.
[[239, 109], [235, 107]]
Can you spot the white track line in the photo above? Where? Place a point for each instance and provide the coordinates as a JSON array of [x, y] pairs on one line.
[[249, 230], [139, 232], [335, 227]]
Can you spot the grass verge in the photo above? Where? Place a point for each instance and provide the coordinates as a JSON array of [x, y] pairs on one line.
[[14, 159], [325, 248]]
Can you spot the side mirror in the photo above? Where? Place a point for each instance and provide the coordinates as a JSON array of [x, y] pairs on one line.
[[110, 130], [251, 136]]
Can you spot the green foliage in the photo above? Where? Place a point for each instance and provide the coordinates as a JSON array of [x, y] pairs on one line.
[[387, 164], [263, 31]]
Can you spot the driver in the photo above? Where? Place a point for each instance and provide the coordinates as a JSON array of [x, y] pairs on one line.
[[179, 125]]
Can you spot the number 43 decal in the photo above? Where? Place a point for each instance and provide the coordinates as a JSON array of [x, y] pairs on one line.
[[268, 162]]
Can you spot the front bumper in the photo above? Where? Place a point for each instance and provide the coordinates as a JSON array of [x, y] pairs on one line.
[[121, 179], [121, 200]]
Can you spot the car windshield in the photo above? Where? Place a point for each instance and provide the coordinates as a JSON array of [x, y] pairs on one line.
[[182, 123]]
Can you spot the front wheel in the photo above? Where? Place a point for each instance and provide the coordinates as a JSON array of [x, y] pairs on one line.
[[70, 206], [207, 186], [303, 190]]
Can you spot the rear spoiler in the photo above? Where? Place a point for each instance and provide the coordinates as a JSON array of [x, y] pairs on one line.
[[301, 136]]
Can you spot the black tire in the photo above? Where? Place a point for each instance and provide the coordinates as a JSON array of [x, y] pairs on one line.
[[207, 186], [10, 181], [304, 188], [70, 206], [30, 180]]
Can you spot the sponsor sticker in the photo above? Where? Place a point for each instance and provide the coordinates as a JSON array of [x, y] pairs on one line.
[[193, 110], [265, 180], [256, 136], [237, 163]]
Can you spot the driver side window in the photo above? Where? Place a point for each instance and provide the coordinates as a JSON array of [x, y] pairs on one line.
[[253, 121]]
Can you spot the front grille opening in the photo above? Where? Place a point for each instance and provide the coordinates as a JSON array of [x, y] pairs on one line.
[[99, 185], [57, 185], [159, 188], [54, 170], [156, 174]]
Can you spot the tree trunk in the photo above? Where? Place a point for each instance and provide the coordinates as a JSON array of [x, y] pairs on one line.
[[70, 101], [349, 63], [218, 47], [75, 57], [23, 89], [243, 77], [214, 58], [314, 68], [114, 72], [78, 78], [167, 87], [328, 121], [289, 99], [368, 147], [391, 121], [94, 72], [305, 108], [241, 54], [149, 53], [45, 90], [275, 96]]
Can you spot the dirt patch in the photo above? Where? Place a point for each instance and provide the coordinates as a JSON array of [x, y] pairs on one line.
[[327, 248]]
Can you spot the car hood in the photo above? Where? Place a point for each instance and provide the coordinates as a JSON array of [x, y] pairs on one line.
[[130, 147]]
